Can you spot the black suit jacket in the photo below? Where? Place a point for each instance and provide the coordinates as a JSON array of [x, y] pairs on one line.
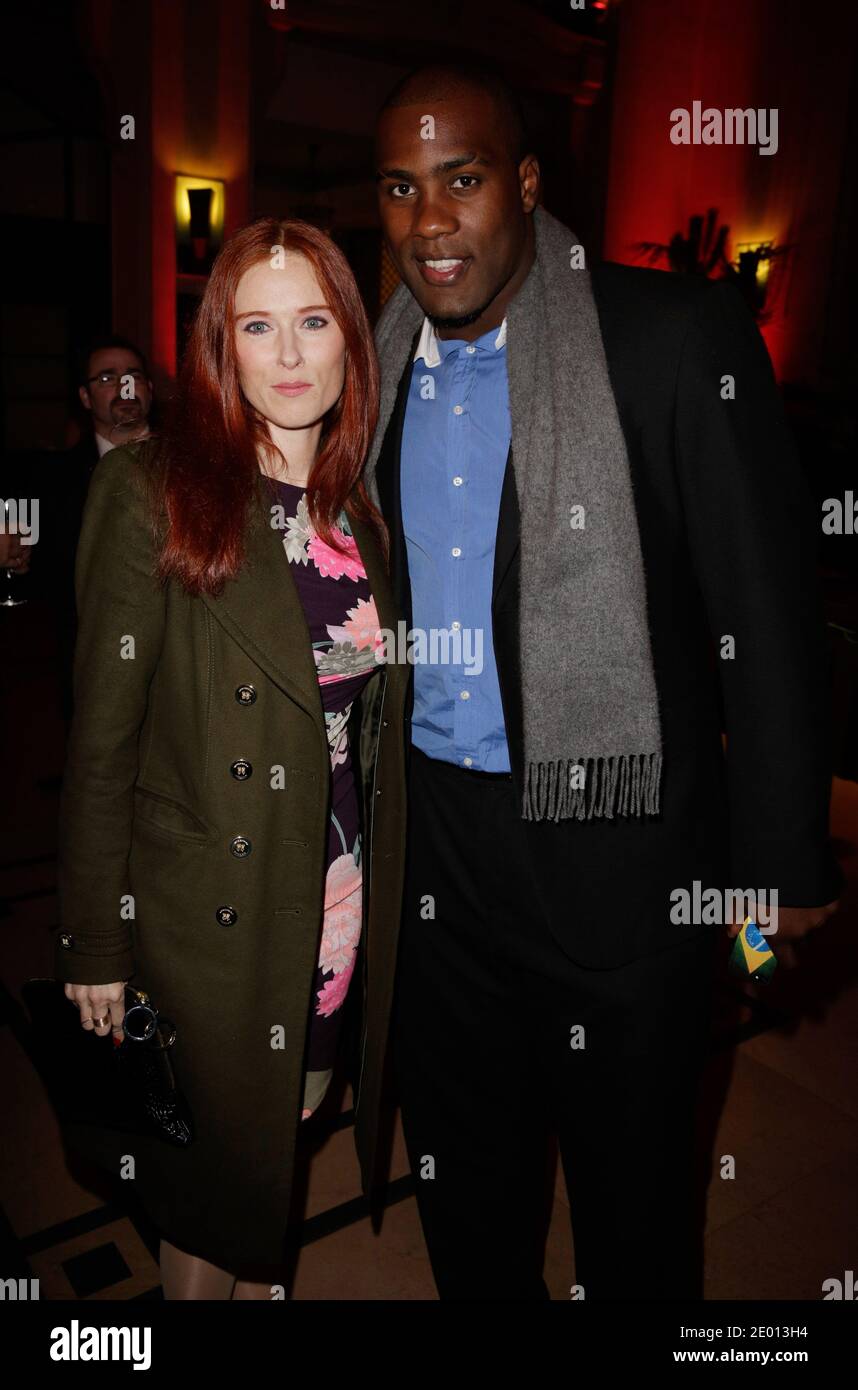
[[63, 483], [728, 541]]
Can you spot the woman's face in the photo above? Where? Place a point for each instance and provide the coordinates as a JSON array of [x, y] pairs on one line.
[[291, 351]]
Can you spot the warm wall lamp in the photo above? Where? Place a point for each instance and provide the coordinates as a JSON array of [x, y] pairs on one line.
[[752, 266], [703, 252], [199, 223]]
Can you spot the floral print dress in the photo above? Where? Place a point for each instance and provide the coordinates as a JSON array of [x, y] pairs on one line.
[[344, 631]]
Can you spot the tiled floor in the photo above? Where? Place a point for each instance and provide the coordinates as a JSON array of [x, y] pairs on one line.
[[780, 1096]]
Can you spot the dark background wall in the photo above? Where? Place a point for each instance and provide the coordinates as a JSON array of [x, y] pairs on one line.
[[280, 105]]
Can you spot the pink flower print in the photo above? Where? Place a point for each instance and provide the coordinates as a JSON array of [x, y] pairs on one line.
[[334, 562], [332, 997], [341, 928], [360, 628], [337, 727]]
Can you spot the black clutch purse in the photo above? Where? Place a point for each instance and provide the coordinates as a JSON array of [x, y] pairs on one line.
[[91, 1080]]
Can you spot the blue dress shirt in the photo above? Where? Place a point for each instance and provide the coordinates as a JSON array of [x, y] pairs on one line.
[[455, 442]]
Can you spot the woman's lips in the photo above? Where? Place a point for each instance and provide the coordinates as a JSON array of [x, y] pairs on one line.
[[444, 271], [298, 389]]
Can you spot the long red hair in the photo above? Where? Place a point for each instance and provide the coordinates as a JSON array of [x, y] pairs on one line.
[[207, 456]]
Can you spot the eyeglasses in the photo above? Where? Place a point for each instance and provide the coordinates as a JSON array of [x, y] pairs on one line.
[[111, 378]]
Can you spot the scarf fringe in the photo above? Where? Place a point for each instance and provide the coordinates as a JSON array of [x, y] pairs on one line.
[[628, 784]]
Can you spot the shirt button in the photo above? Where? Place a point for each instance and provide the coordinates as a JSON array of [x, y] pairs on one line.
[[455, 626], [241, 769], [457, 410], [456, 551], [227, 916], [464, 694], [245, 695], [457, 482], [467, 761], [240, 847], [469, 348], [66, 941]]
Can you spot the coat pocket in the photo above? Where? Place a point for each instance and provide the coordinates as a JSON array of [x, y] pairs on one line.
[[166, 816]]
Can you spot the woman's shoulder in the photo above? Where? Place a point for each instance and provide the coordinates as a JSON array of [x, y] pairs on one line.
[[124, 500], [128, 472], [133, 459]]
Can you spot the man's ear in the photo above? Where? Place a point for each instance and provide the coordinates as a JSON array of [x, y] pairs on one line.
[[530, 181], [84, 398]]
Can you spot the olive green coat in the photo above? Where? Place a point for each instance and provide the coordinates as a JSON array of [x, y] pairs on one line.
[[150, 809]]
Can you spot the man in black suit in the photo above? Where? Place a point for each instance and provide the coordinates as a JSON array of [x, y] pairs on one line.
[[545, 978], [115, 390]]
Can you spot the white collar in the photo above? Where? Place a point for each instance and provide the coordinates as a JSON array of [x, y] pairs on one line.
[[427, 347]]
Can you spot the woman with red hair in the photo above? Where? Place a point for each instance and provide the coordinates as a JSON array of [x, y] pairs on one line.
[[235, 765]]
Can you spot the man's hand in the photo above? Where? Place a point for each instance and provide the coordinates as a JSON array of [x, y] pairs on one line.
[[791, 924]]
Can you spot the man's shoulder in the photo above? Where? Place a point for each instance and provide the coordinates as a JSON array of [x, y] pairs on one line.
[[635, 287], [83, 454], [647, 316]]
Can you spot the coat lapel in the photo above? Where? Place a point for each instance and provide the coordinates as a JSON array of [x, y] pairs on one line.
[[262, 610], [263, 613]]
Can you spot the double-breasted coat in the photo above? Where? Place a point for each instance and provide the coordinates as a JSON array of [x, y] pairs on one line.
[[224, 874]]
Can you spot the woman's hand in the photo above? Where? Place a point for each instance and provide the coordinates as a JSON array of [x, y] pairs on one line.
[[102, 1007]]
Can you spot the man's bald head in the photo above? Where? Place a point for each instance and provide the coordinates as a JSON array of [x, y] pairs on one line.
[[456, 184], [434, 82]]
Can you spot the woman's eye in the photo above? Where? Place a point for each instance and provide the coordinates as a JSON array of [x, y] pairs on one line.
[[257, 323], [316, 319]]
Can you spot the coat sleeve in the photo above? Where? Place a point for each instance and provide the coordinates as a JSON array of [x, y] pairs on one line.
[[750, 523], [121, 609]]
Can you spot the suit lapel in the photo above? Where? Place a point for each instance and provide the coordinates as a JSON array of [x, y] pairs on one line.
[[508, 533], [388, 483]]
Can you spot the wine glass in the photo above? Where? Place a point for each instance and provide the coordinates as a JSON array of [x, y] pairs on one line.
[[10, 601]]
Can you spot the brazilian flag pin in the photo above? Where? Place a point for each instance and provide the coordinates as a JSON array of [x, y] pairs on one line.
[[752, 956]]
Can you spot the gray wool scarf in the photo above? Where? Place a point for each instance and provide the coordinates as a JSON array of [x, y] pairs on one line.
[[592, 741]]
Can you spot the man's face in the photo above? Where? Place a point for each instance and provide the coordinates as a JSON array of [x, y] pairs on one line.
[[117, 392], [459, 199]]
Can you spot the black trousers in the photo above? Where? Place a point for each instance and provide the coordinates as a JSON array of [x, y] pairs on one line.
[[500, 1040]]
